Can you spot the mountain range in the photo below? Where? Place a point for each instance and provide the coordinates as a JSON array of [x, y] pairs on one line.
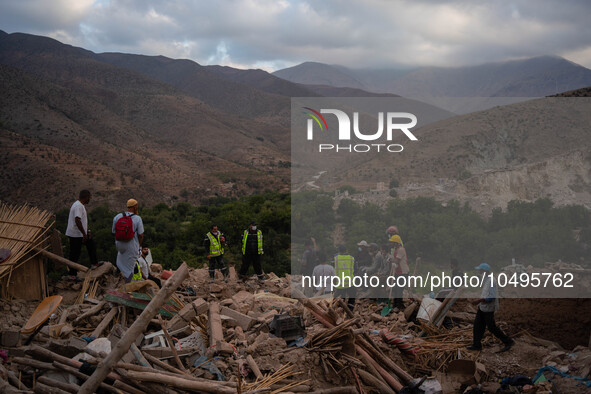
[[171, 130], [533, 77]]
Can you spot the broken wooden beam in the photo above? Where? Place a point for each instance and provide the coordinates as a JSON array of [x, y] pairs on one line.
[[136, 328], [254, 367], [162, 364], [91, 312], [59, 259], [171, 344], [371, 380], [98, 331], [80, 375], [125, 299], [30, 362], [68, 387], [181, 382]]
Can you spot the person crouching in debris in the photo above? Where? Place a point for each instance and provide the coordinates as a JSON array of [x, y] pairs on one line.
[[214, 243], [401, 270], [485, 316], [344, 265], [141, 270], [252, 251], [128, 229]]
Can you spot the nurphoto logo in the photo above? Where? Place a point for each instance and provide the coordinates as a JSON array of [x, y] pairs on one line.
[[393, 124]]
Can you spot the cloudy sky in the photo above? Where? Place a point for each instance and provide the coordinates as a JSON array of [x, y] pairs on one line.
[[273, 34]]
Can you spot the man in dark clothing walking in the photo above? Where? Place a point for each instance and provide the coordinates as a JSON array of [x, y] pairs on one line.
[[252, 251], [488, 304], [214, 243]]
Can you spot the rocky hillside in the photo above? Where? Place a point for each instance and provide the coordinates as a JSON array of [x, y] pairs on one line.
[[71, 121], [539, 148]]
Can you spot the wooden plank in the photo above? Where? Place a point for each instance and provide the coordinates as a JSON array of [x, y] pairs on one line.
[[165, 352], [148, 297], [62, 260], [104, 323], [127, 300]]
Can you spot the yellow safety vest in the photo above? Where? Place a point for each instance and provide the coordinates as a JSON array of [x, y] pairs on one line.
[[137, 277], [343, 268], [215, 246], [259, 240]]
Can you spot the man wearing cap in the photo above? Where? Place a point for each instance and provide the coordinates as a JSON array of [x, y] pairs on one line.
[[401, 269], [128, 251], [252, 251], [363, 258], [485, 316]]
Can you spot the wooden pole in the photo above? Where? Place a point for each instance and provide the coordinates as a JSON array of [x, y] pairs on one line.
[[41, 388], [92, 311], [171, 344], [69, 387], [391, 380], [371, 380], [80, 375], [59, 259], [376, 375], [104, 323], [254, 367], [162, 364], [180, 382], [136, 329]]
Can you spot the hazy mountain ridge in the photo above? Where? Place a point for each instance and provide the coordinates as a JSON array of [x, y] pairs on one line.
[[534, 77]]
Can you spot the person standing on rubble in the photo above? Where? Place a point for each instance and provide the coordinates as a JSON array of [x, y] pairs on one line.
[[344, 267], [322, 275], [128, 229], [401, 270], [488, 304], [363, 258], [79, 234], [377, 260], [308, 260], [214, 243], [252, 251]]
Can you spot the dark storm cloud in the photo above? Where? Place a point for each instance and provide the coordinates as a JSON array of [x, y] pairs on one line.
[[276, 33]]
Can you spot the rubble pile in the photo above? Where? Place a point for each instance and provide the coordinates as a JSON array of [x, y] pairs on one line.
[[235, 336]]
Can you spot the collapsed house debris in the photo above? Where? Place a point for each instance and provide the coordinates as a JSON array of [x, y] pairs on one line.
[[101, 335]]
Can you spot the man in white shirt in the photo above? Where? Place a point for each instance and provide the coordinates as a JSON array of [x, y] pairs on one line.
[[79, 233], [322, 275]]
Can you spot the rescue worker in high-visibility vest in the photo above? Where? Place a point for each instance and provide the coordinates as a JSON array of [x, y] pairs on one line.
[[344, 267], [214, 243], [252, 251]]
